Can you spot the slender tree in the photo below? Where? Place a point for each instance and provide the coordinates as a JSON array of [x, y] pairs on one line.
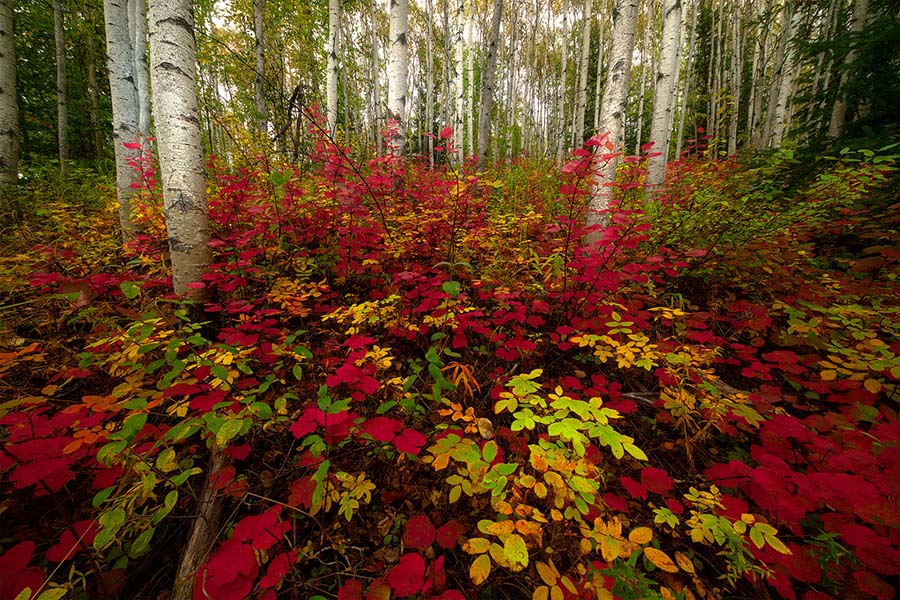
[[561, 90], [581, 101], [93, 89], [259, 92], [333, 50], [429, 81], [124, 96], [62, 91], [839, 108], [612, 111], [137, 23], [484, 117], [398, 70], [459, 92], [664, 94], [9, 113]]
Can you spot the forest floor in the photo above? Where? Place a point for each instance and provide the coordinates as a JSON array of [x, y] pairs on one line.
[[424, 384]]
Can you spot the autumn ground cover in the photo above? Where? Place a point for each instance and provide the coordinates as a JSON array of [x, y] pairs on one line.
[[421, 383]]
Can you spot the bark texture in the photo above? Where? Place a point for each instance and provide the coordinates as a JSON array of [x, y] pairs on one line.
[[62, 94], [398, 69], [839, 109], [612, 111], [173, 73], [331, 78], [484, 117], [259, 90], [664, 96], [9, 113], [123, 93]]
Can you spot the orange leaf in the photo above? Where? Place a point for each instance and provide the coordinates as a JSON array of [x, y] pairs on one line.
[[661, 560], [640, 535], [685, 563], [480, 569]]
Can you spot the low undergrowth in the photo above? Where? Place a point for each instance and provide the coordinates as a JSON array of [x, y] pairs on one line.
[[425, 385]]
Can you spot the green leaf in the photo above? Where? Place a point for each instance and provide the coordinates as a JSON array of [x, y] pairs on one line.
[[101, 496], [53, 594], [130, 289], [228, 430], [298, 372], [451, 288], [142, 543], [489, 452]]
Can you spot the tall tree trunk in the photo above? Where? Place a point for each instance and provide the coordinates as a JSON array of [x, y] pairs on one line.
[[137, 21], [124, 97], [578, 127], [757, 77], [786, 81], [737, 63], [429, 82], [598, 83], [331, 94], [778, 74], [398, 68], [612, 112], [93, 90], [9, 112], [173, 73], [459, 92], [471, 90], [62, 95], [259, 90], [839, 109], [649, 30], [563, 80], [664, 95], [688, 78], [484, 116]]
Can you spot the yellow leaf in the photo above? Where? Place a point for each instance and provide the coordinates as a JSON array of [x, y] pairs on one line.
[[540, 490], [496, 527], [498, 555], [548, 574], [480, 569], [610, 548], [873, 385], [476, 545], [661, 560], [516, 552], [685, 563], [666, 593], [541, 593], [569, 584], [556, 593], [829, 375], [528, 527], [640, 535]]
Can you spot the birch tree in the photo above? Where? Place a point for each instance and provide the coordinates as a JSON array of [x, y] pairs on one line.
[[137, 23], [398, 69], [581, 100], [259, 91], [331, 94], [87, 17], [839, 109], [173, 73], [459, 93], [62, 96], [612, 110], [484, 117], [781, 97], [124, 97], [9, 113], [664, 94]]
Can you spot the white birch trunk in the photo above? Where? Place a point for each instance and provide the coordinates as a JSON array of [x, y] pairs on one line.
[[484, 116], [563, 79], [664, 95], [331, 83], [62, 97], [785, 86], [737, 63], [429, 82], [470, 81], [124, 97], [839, 109], [137, 23], [757, 76], [578, 128], [459, 92], [398, 68], [259, 93], [183, 177], [9, 112], [686, 88], [598, 83], [612, 111], [777, 74]]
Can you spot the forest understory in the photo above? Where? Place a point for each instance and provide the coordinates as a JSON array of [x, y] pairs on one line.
[[423, 383]]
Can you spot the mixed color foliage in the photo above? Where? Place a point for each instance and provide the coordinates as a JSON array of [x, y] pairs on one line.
[[425, 384]]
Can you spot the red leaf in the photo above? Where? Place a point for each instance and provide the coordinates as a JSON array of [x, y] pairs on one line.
[[378, 590], [410, 441], [448, 534], [352, 590], [635, 489], [445, 133], [382, 429], [69, 544], [278, 568], [874, 585], [419, 532], [15, 575], [656, 480], [407, 577], [449, 595], [301, 492], [262, 531], [229, 574], [311, 418]]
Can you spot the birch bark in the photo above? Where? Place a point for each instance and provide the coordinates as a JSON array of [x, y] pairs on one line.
[[664, 96], [398, 69], [484, 117], [62, 95], [331, 84], [612, 111], [259, 92], [839, 109], [173, 75], [9, 113]]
